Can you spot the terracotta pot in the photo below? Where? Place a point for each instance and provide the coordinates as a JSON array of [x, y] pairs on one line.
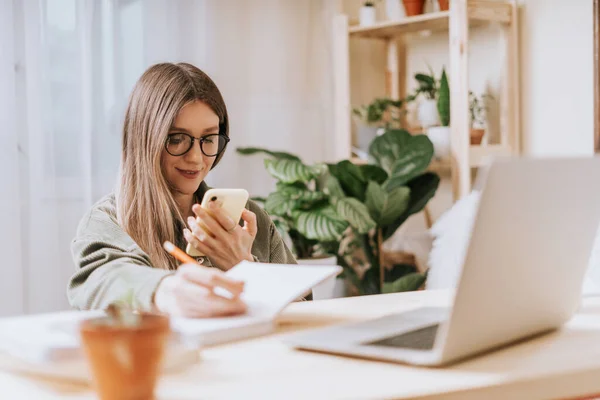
[[413, 7], [444, 5], [125, 361], [476, 135]]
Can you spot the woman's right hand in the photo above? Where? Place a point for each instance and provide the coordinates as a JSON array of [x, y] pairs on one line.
[[190, 293]]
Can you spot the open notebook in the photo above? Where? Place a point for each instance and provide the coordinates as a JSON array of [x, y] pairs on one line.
[[49, 343]]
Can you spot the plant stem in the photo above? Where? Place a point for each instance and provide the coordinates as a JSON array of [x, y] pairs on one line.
[[379, 244], [366, 246]]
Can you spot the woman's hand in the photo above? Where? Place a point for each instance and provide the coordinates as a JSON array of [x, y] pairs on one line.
[[190, 293], [228, 243]]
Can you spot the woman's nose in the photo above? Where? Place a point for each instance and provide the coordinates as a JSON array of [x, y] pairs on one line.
[[195, 154]]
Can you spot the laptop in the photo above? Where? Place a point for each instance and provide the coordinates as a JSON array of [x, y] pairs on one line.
[[522, 273]]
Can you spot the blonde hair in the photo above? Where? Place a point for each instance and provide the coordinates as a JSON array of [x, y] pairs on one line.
[[146, 208]]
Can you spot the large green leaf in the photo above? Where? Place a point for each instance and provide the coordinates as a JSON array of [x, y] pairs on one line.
[[275, 154], [350, 177], [407, 283], [290, 171], [334, 189], [386, 207], [356, 213], [412, 161], [299, 194], [422, 189], [322, 224], [372, 172], [279, 204], [398, 201], [385, 149]]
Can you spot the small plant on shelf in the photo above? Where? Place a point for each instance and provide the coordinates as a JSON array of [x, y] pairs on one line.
[[382, 112], [478, 107]]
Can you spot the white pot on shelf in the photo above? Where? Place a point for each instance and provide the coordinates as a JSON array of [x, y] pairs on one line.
[[331, 288], [394, 10], [427, 113], [440, 137], [366, 16]]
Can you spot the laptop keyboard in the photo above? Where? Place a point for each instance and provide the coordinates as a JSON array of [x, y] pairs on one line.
[[419, 339]]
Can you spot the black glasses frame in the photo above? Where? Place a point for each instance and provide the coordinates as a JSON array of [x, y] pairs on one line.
[[200, 140]]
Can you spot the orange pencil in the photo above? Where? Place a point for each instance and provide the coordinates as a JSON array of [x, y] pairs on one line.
[[178, 253]]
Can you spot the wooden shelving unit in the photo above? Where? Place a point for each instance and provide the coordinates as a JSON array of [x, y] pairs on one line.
[[463, 14]]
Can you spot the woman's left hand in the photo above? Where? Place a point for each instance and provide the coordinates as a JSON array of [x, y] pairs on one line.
[[228, 243]]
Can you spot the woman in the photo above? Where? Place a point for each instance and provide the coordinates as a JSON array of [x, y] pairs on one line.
[[175, 131]]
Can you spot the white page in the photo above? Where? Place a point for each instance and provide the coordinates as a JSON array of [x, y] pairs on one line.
[[268, 289]]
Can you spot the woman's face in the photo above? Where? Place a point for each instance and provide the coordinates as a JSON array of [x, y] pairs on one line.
[[184, 173]]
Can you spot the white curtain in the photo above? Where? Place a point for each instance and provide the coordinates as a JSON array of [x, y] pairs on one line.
[[66, 69]]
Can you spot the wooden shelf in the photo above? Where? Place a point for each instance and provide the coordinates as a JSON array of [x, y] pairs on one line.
[[457, 24], [479, 153], [477, 157], [437, 21], [479, 12]]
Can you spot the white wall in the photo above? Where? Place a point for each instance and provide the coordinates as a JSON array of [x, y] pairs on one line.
[[557, 77]]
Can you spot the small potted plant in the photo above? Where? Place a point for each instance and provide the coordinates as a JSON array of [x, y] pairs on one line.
[[440, 135], [366, 16], [478, 107], [372, 119], [427, 113], [125, 351], [413, 7]]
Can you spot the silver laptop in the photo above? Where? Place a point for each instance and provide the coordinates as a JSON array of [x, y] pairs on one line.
[[522, 274]]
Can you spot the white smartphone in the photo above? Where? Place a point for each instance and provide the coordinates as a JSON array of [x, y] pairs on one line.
[[232, 202]]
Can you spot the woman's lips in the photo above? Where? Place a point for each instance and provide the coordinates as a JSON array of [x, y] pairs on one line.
[[188, 173]]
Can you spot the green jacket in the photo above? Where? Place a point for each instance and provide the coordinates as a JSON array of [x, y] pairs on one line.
[[109, 263]]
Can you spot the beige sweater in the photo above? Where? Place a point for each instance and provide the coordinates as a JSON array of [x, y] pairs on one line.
[[109, 264]]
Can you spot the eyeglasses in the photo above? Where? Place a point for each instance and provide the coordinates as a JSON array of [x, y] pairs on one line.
[[178, 144]]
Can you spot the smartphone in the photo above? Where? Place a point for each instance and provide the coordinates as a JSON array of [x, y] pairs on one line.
[[232, 202]]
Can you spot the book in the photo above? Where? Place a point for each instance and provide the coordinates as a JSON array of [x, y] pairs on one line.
[[48, 344]]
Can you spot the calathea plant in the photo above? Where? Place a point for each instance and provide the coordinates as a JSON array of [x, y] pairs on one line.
[[299, 207], [376, 199]]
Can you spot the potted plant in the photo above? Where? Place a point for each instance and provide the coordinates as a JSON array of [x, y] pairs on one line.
[[440, 135], [413, 7], [427, 113], [376, 199], [373, 118], [302, 213], [444, 5], [125, 351], [366, 14], [478, 108]]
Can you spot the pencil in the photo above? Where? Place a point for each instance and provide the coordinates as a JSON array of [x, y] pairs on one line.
[[178, 253]]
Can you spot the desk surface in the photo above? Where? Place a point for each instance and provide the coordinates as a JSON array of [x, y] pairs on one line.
[[562, 364]]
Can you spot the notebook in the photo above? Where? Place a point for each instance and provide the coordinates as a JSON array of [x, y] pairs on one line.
[[268, 290], [48, 344]]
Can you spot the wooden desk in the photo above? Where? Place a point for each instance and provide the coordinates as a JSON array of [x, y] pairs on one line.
[[563, 364]]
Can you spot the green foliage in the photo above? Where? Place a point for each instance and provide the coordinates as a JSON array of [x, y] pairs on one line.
[[376, 199], [443, 103], [427, 85], [382, 111], [350, 209], [299, 207]]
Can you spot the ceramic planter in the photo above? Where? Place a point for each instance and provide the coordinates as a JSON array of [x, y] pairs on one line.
[[331, 288], [440, 137], [125, 361], [366, 16], [413, 7]]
